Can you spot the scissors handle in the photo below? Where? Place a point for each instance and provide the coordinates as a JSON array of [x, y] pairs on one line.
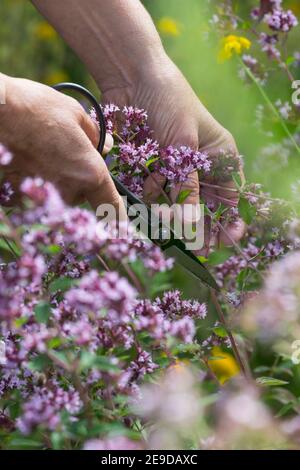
[[132, 199], [66, 86]]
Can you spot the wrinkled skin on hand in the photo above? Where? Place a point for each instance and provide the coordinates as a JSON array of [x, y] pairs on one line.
[[51, 136], [178, 118]]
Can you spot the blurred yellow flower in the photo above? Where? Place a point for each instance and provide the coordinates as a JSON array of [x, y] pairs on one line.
[[45, 32], [168, 26], [225, 366], [180, 366], [233, 44], [56, 77]]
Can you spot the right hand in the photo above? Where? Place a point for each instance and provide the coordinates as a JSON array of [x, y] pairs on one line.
[[51, 136]]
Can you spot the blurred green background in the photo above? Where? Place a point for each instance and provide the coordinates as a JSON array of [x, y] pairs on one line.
[[30, 48]]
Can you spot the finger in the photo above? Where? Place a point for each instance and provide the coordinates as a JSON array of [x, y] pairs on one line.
[[109, 143], [233, 232], [91, 129], [92, 175], [103, 191], [154, 187]]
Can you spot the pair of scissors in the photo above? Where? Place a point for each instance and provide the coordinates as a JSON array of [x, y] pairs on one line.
[[172, 246]]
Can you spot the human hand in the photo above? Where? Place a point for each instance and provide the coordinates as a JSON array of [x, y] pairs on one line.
[[178, 118], [51, 136]]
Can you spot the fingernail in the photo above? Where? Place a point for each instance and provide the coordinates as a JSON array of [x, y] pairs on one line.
[[109, 143]]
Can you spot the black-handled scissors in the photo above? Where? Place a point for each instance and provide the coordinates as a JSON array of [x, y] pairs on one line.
[[173, 246]]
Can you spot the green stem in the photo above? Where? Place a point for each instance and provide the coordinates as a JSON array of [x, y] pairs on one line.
[[271, 105]]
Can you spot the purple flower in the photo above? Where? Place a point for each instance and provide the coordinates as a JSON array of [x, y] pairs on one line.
[[135, 121], [36, 338], [151, 319], [274, 249], [6, 193], [112, 443], [173, 306], [266, 6], [177, 164], [281, 20], [30, 269], [183, 329], [250, 61], [80, 228], [268, 43], [48, 206], [132, 248], [134, 157], [142, 365], [296, 63], [229, 270], [156, 262], [81, 332], [135, 184], [44, 406], [108, 293], [5, 156], [285, 109]]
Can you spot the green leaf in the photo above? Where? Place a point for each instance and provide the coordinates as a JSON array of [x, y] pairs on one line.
[[53, 249], [88, 360], [285, 409], [246, 210], [20, 443], [42, 312], [160, 283], [290, 60], [270, 382], [183, 195], [248, 280], [220, 331], [151, 160], [219, 256], [61, 284], [57, 439], [246, 25], [62, 357], [39, 363], [10, 246], [220, 211], [237, 180], [19, 322], [54, 343], [202, 259], [5, 229]]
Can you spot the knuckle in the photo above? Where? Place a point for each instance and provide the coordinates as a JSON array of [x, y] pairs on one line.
[[93, 177], [230, 142], [189, 138], [94, 135], [78, 109]]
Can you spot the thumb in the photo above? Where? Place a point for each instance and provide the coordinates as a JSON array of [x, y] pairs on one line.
[[92, 131], [104, 191]]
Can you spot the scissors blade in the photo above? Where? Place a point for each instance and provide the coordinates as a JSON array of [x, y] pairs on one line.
[[192, 265]]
